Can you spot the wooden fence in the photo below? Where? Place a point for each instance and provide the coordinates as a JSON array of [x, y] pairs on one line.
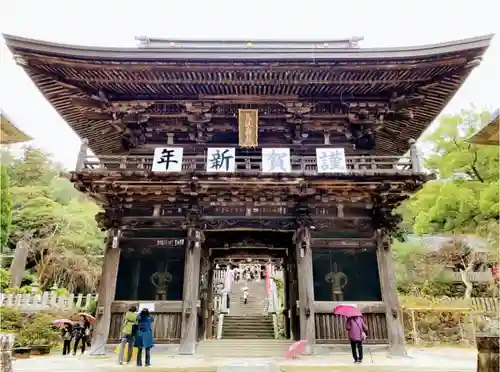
[[452, 321], [46, 301]]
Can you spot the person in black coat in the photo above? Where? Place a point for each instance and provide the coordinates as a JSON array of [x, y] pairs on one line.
[[67, 335]]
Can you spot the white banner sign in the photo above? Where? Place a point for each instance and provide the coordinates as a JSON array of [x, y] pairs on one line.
[[167, 159], [220, 159], [147, 305], [276, 160], [331, 160]]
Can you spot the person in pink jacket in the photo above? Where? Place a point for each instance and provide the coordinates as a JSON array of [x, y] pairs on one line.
[[356, 330]]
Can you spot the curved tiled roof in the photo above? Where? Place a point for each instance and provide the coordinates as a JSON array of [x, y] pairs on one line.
[[9, 133], [193, 70]]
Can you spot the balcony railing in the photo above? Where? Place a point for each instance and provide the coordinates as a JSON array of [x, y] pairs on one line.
[[299, 164]]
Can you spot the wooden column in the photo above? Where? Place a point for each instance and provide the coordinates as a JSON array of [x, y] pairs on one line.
[[294, 290], [190, 292], [204, 285], [306, 288], [286, 297], [136, 275], [107, 288], [210, 301], [388, 287]]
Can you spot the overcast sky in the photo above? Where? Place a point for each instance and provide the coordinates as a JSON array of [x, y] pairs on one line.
[[117, 22]]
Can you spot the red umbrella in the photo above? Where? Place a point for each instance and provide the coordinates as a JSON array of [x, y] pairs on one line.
[[61, 322], [295, 349], [89, 317], [348, 311]]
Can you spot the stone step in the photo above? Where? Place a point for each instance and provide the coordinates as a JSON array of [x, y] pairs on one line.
[[247, 327], [250, 327], [245, 330], [249, 323], [250, 317], [238, 334], [243, 348], [252, 336]]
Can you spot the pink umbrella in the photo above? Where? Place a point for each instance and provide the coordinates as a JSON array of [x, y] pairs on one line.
[[61, 322], [295, 349], [348, 311]]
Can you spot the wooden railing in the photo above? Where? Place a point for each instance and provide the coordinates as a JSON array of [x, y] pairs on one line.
[[330, 328], [167, 319], [46, 301], [299, 164]]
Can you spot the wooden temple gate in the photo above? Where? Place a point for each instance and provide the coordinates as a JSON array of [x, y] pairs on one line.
[[359, 108]]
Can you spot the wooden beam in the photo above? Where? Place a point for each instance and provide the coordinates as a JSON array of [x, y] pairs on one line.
[[107, 288], [387, 275], [306, 288], [190, 296], [314, 65], [360, 101], [293, 82], [326, 307], [160, 306]]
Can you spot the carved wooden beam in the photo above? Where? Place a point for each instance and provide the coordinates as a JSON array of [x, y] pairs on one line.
[[365, 307]]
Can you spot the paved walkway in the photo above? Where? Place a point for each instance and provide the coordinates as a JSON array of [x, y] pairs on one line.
[[429, 360]]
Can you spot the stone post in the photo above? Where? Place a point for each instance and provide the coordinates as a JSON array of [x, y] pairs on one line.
[[415, 161], [82, 154]]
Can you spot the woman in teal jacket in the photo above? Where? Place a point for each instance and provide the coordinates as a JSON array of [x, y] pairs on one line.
[[127, 334], [144, 336]]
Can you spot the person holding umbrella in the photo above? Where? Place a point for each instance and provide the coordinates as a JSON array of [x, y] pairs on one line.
[[81, 331], [66, 332], [356, 329], [67, 335]]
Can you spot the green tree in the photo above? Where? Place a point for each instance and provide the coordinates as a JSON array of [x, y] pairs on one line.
[[56, 222], [465, 197], [5, 207]]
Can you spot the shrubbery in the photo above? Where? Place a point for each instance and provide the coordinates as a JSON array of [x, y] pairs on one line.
[[31, 329], [10, 319], [38, 331]]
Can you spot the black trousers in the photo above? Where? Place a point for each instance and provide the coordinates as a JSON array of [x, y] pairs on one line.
[[359, 346], [77, 341], [66, 347]]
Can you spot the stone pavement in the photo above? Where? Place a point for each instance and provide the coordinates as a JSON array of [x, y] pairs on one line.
[[429, 360]]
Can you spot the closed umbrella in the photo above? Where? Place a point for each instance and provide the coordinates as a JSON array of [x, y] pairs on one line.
[[295, 349]]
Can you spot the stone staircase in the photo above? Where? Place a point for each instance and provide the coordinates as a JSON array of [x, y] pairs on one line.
[[257, 299], [247, 330], [250, 320], [246, 348], [248, 327]]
